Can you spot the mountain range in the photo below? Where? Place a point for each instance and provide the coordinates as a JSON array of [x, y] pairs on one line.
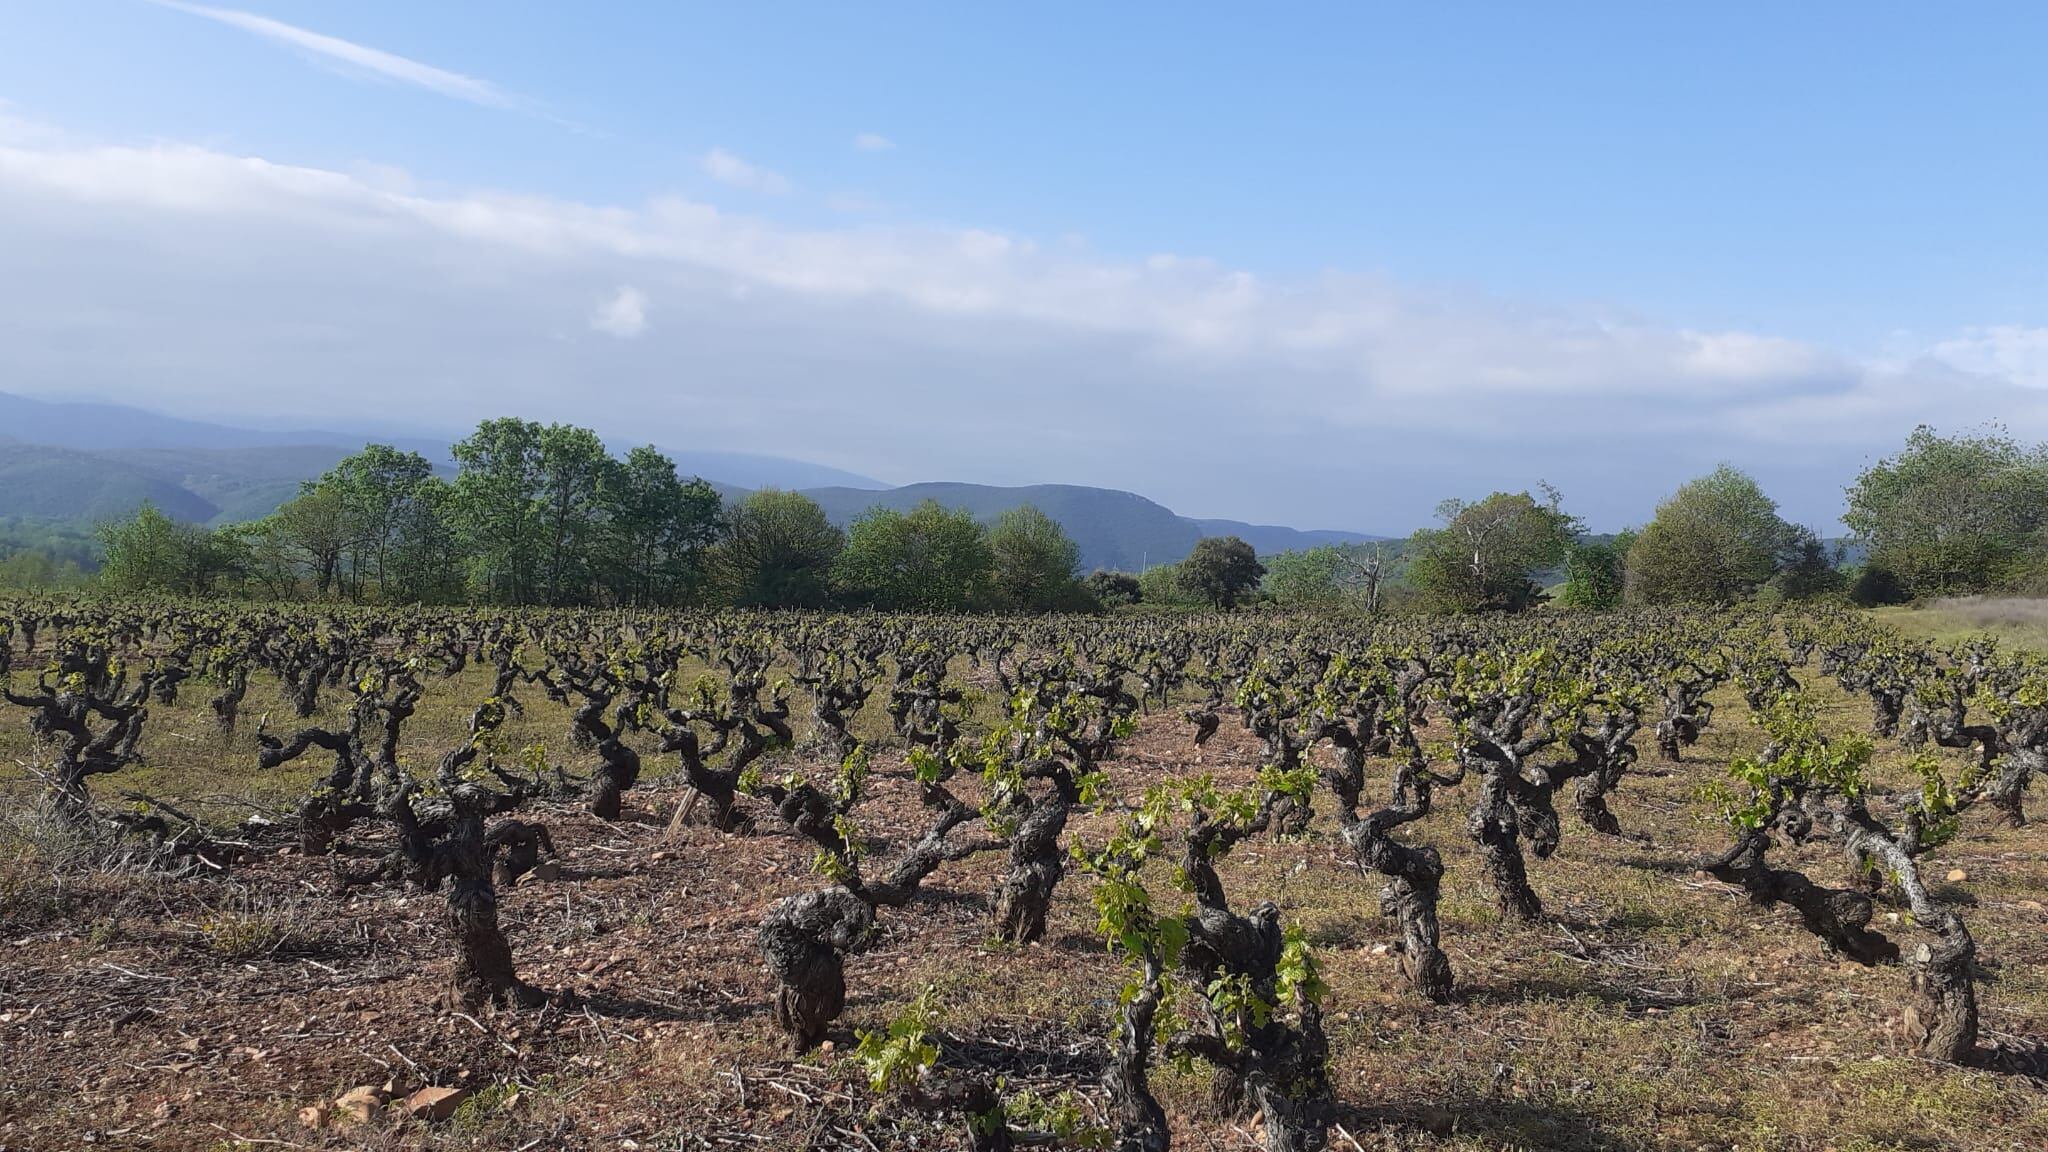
[[66, 461]]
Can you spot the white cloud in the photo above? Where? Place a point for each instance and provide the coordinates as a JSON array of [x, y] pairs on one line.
[[622, 314], [373, 60], [2013, 351], [192, 279], [873, 142], [727, 168]]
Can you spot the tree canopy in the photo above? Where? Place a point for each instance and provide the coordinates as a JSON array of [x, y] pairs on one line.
[[1036, 564], [1954, 514], [1483, 558], [777, 552], [1717, 539], [1221, 571]]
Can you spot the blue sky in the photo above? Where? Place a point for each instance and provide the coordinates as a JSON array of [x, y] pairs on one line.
[[1369, 254]]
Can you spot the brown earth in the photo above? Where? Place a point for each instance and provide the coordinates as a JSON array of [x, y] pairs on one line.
[[1652, 1009]]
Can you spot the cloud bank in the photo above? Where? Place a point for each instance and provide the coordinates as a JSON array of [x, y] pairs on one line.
[[196, 280]]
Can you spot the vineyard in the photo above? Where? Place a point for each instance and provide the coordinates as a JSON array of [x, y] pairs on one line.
[[293, 877]]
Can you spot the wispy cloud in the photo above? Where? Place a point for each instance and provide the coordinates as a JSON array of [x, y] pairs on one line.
[[388, 65], [622, 314], [727, 168], [873, 142]]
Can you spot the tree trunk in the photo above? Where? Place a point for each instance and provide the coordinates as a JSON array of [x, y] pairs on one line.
[[1024, 894], [1942, 1019], [1494, 827], [804, 939], [483, 960]]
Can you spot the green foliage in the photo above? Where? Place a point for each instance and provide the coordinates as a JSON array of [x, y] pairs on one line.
[[1953, 514], [926, 560], [1482, 559], [1062, 1118], [1123, 906], [1715, 540], [150, 552], [1809, 571], [1036, 565], [898, 1056], [778, 552], [1221, 572], [1595, 572], [1114, 589], [1797, 756], [1309, 579], [1301, 974], [1160, 586], [1329, 577]]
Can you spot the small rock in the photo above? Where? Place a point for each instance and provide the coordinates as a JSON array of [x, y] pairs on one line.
[[2034, 906], [1957, 875], [315, 1116], [546, 870], [435, 1103], [361, 1104]]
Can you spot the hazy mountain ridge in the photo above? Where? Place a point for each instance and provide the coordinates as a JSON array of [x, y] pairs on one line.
[[78, 462], [1115, 529], [52, 483]]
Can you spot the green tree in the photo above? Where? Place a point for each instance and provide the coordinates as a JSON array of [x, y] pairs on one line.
[[1596, 572], [777, 552], [1716, 540], [150, 552], [575, 471], [425, 563], [274, 563], [35, 568], [319, 527], [1221, 571], [1311, 578], [1036, 564], [1809, 570], [659, 529], [1114, 589], [391, 498], [1483, 558], [1953, 514], [1161, 585], [496, 509], [925, 560]]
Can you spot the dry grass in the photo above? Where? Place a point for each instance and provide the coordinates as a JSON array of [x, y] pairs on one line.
[[1653, 1009], [2021, 622]]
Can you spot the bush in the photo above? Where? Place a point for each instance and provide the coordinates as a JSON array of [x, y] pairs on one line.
[[1872, 586]]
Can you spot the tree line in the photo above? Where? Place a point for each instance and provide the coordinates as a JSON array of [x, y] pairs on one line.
[[545, 515], [1945, 516]]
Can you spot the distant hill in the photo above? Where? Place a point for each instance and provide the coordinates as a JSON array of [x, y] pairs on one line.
[[49, 483], [1269, 538], [744, 470], [284, 458], [77, 463], [99, 427], [240, 483], [1115, 529]]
